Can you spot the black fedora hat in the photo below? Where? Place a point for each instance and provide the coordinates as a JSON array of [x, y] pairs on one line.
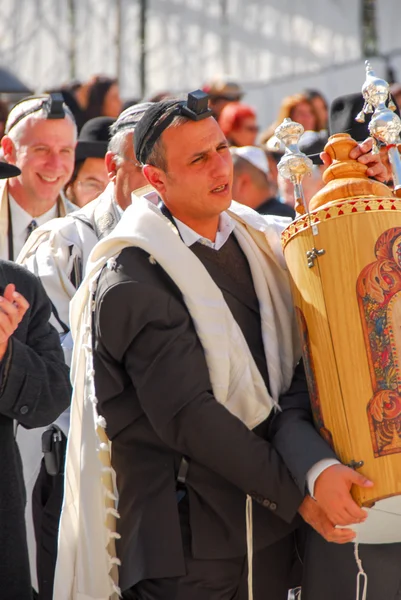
[[7, 170], [94, 138], [312, 143]]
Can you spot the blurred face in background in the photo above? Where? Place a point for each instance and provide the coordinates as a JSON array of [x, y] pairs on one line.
[[303, 113], [321, 111], [90, 181], [245, 133], [112, 103]]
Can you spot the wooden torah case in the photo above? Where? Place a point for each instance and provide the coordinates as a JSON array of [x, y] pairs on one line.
[[344, 258]]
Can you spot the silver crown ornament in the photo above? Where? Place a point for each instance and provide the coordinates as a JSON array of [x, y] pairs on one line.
[[295, 164], [385, 125]]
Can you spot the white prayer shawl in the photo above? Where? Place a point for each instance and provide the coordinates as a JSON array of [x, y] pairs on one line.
[[50, 253], [53, 249], [65, 207], [86, 552]]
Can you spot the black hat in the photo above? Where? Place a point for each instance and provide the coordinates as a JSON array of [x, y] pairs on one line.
[[7, 170], [159, 116], [312, 143], [94, 138], [343, 111]]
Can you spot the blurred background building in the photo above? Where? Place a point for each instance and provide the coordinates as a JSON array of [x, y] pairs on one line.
[[271, 47]]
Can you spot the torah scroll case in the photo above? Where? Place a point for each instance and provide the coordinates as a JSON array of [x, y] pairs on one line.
[[344, 258]]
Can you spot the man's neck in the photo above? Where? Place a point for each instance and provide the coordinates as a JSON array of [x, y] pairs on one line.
[[206, 227], [31, 205]]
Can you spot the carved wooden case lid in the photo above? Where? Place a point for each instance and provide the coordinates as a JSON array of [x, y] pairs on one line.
[[346, 178]]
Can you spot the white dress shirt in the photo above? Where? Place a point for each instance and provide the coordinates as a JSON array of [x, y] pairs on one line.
[[189, 236], [20, 220]]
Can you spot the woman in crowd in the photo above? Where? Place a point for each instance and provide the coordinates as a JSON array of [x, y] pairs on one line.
[[239, 125], [103, 98]]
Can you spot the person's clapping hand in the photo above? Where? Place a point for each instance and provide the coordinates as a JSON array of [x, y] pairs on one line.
[[13, 307]]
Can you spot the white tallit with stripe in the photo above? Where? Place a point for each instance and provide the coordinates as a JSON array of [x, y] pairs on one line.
[[86, 564]]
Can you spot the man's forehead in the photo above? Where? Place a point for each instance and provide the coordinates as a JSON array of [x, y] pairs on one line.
[[44, 129], [198, 136]]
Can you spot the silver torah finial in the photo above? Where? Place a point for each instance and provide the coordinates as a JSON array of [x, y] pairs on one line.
[[385, 125], [295, 164]]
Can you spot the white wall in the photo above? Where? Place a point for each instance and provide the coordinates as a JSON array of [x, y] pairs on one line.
[[273, 47]]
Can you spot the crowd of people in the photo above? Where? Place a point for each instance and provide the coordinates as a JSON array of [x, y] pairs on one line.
[[176, 317]]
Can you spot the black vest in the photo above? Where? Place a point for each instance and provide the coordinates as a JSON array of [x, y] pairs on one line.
[[229, 269]]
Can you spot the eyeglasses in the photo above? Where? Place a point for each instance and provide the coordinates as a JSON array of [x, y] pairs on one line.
[[91, 186], [251, 128]]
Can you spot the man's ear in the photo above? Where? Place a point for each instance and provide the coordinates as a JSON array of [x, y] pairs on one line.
[[111, 166], [155, 177], [9, 152]]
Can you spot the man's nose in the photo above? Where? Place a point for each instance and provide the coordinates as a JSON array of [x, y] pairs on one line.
[[55, 160], [220, 165]]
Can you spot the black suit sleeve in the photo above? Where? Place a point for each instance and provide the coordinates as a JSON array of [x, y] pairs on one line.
[[152, 334], [293, 432], [35, 387]]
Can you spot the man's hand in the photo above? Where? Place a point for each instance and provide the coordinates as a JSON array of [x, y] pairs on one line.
[[13, 306], [312, 514], [332, 494], [362, 153]]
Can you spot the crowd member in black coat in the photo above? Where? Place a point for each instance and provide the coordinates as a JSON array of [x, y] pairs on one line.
[[34, 390], [184, 463]]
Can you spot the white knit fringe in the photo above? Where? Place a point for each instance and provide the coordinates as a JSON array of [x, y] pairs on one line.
[[362, 577], [249, 544]]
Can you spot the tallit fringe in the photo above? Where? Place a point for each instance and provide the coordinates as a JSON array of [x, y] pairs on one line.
[[107, 480], [361, 578], [249, 543]]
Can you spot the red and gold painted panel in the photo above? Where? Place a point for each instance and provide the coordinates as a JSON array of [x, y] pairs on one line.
[[379, 297]]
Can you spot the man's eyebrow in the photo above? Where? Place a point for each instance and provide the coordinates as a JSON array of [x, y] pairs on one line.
[[209, 149]]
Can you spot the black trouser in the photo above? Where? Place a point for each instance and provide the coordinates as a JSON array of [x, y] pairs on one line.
[[330, 570], [47, 499], [222, 579], [225, 579]]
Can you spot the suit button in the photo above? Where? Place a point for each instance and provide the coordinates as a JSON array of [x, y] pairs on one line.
[[23, 410], [273, 506], [266, 503]]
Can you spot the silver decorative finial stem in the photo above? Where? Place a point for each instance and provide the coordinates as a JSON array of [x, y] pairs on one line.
[[385, 125], [295, 164]]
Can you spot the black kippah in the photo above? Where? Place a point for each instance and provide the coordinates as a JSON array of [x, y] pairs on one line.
[[159, 116]]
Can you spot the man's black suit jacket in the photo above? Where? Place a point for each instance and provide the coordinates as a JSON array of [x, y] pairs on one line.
[[153, 388], [34, 391]]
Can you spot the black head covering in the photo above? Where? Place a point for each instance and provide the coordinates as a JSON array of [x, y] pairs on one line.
[[312, 143], [52, 103], [94, 138], [159, 116], [7, 171], [343, 111]]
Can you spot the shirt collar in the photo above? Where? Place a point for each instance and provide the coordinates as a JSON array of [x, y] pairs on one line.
[[21, 219], [190, 237]]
